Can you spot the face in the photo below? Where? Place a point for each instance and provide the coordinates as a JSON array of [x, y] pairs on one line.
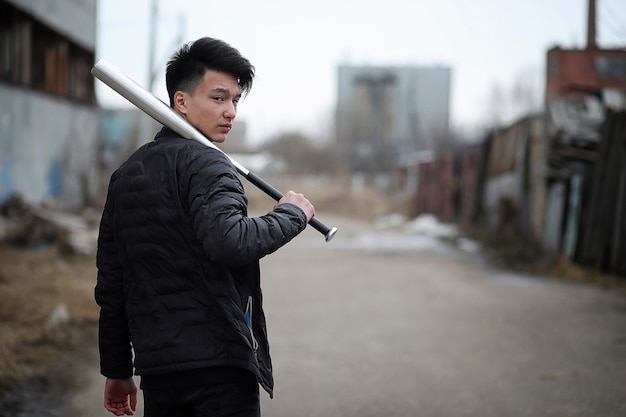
[[213, 105]]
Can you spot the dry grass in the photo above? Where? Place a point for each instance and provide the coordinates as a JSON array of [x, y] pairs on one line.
[[32, 284]]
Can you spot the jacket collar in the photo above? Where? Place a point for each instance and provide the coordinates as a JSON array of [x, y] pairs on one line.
[[166, 132]]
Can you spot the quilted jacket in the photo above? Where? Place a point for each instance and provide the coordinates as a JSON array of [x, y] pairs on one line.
[[178, 264]]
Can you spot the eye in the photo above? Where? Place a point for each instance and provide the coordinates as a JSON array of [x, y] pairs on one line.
[[236, 101], [218, 98]]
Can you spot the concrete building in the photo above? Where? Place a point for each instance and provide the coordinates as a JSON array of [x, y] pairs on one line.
[[48, 113], [384, 112]]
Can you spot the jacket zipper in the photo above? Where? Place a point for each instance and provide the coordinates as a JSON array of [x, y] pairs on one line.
[[248, 318]]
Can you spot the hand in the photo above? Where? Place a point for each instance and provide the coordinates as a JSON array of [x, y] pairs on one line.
[[300, 201], [120, 396]]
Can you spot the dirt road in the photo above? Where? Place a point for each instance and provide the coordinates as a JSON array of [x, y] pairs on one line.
[[382, 324]]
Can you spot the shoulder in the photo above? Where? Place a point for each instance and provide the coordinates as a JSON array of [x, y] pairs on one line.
[[194, 161], [171, 141], [184, 150], [197, 153]]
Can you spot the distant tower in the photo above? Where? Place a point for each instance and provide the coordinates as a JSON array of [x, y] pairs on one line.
[[591, 25], [384, 112]]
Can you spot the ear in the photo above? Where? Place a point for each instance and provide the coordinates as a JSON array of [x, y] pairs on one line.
[[180, 102]]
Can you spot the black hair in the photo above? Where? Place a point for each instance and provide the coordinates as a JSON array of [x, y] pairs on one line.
[[187, 66]]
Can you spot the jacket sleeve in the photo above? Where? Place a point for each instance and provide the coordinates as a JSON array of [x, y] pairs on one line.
[[218, 207], [113, 337]]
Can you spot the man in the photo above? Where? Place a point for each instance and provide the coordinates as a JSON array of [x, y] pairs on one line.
[[178, 257]]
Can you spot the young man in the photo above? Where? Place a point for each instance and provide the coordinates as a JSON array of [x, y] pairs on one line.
[[178, 257]]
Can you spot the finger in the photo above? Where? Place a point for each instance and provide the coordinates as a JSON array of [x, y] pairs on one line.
[[133, 400], [110, 407]]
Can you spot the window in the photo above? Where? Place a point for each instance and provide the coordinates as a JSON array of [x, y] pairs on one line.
[[13, 31], [35, 56], [610, 67]]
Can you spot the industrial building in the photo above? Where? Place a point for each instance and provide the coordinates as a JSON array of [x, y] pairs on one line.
[[384, 112], [48, 113]]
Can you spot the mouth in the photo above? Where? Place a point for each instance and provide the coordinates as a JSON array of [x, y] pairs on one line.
[[226, 127]]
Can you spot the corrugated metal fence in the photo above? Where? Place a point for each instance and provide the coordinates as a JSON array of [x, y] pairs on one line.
[[567, 197], [602, 241]]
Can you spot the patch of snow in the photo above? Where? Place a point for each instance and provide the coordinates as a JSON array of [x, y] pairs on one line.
[[427, 224]]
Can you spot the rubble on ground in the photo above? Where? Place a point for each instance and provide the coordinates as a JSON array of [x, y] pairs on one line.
[[27, 226]]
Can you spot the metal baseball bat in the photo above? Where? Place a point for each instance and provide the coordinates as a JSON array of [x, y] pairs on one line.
[[164, 114]]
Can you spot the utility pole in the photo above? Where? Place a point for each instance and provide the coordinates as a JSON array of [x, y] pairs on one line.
[[152, 40], [154, 15]]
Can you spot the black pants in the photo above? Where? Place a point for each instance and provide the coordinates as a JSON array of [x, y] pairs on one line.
[[236, 395]]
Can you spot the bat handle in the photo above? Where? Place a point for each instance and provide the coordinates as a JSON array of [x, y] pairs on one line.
[[328, 232]]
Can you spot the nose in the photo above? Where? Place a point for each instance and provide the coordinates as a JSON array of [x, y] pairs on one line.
[[230, 112]]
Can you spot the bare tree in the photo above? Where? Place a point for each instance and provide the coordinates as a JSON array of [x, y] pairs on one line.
[[505, 104], [527, 92], [496, 106], [302, 154]]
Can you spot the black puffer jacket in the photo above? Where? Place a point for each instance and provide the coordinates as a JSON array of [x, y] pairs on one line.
[[178, 264]]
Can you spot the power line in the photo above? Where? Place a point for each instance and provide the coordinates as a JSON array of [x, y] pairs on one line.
[[609, 20]]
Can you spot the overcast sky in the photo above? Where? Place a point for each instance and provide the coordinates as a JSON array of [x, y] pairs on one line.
[[296, 47]]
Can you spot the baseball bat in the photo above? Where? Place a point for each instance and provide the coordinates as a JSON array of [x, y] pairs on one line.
[[164, 114]]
